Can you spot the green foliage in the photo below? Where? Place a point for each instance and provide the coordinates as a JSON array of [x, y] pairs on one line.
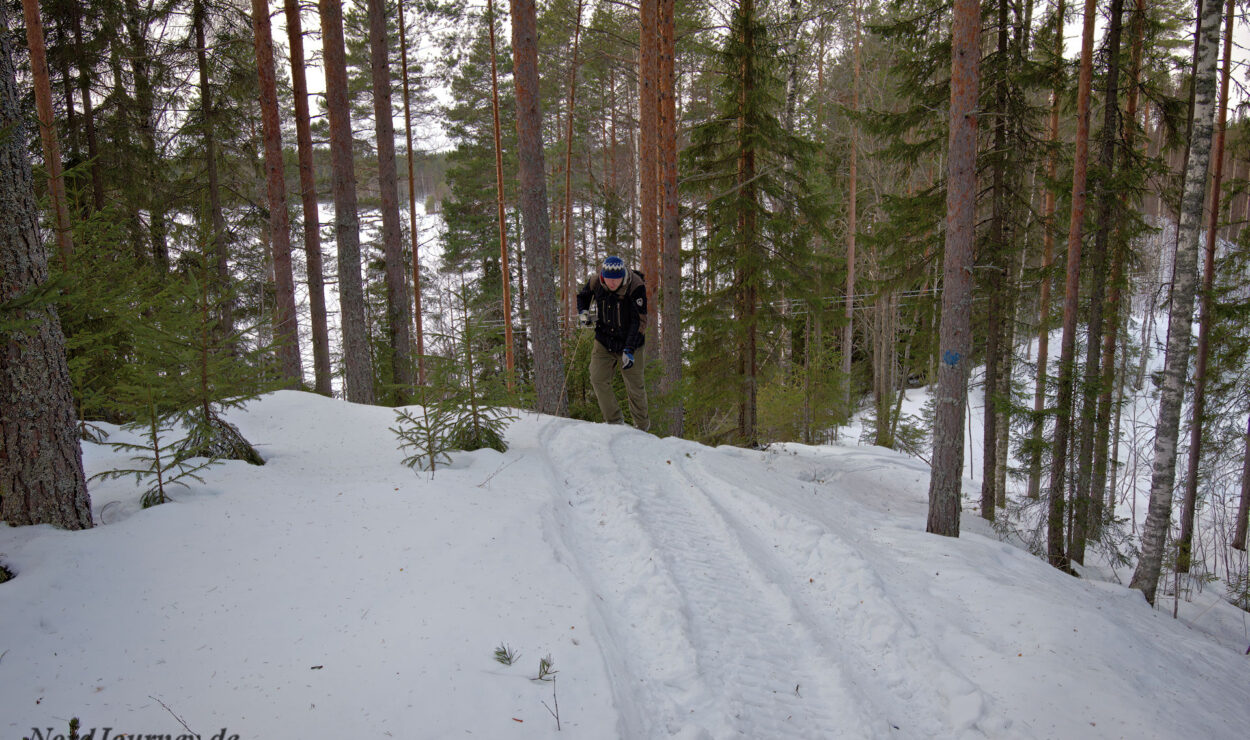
[[505, 654], [423, 437], [161, 460], [762, 228]]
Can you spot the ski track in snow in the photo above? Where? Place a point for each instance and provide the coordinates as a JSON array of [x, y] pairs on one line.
[[752, 645]]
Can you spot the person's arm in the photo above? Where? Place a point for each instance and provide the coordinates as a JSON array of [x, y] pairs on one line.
[[586, 293], [635, 332]]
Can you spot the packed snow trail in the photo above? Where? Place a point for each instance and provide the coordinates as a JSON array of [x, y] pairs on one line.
[[753, 647]]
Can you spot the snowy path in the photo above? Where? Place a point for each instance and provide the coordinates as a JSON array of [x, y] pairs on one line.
[[753, 645]]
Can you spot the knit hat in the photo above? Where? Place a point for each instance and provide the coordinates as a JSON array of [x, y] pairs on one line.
[[613, 267]]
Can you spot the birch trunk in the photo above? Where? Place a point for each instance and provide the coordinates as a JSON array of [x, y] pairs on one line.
[[1184, 279], [1185, 541]]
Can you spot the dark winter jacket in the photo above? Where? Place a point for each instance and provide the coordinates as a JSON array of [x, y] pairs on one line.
[[622, 322]]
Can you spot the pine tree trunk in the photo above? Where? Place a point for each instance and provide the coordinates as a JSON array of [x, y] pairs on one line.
[[1176, 363], [997, 277], [1119, 247], [308, 196], [85, 73], [286, 330], [509, 359], [1243, 508], [1056, 550], [1048, 252], [648, 142], [41, 474], [357, 367], [1185, 541], [398, 318], [670, 341], [412, 197], [47, 130], [217, 221], [852, 213], [946, 480], [569, 308], [548, 362], [1087, 504]]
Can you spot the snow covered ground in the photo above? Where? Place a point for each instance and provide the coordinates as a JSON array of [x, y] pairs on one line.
[[679, 590]]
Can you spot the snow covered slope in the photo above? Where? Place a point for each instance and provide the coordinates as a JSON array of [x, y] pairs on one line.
[[680, 591]]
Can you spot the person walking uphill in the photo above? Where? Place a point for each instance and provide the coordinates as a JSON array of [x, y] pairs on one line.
[[620, 296]]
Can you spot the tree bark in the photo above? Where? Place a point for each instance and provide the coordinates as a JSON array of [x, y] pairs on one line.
[[1087, 504], [217, 221], [47, 130], [357, 367], [852, 213], [85, 72], [505, 275], [998, 278], [566, 251], [670, 341], [412, 194], [1119, 247], [398, 319], [946, 479], [1185, 541], [1056, 550], [1185, 269], [308, 196], [548, 362], [1048, 252], [1243, 508], [41, 474], [648, 142], [286, 330]]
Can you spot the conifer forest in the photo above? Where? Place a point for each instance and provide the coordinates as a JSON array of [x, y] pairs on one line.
[[1030, 208]]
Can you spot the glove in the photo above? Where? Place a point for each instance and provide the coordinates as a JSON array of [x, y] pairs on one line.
[[627, 359], [585, 320]]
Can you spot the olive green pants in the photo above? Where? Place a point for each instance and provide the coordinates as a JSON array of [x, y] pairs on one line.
[[603, 365]]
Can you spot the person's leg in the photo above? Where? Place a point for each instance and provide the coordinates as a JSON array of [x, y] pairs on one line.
[[602, 367], [636, 389]]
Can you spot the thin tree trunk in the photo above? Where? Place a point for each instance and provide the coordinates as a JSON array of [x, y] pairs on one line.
[[1087, 505], [566, 252], [47, 130], [398, 319], [1048, 253], [412, 196], [85, 72], [998, 277], [509, 359], [357, 367], [217, 221], [648, 142], [41, 474], [670, 341], [1243, 508], [1056, 551], [1119, 251], [286, 329], [1185, 268], [946, 480], [308, 196], [548, 362], [748, 247], [852, 213], [1185, 541]]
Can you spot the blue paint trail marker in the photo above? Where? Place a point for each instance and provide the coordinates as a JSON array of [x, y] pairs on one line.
[[951, 357]]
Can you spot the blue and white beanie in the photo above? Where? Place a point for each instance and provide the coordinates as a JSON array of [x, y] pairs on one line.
[[613, 267]]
